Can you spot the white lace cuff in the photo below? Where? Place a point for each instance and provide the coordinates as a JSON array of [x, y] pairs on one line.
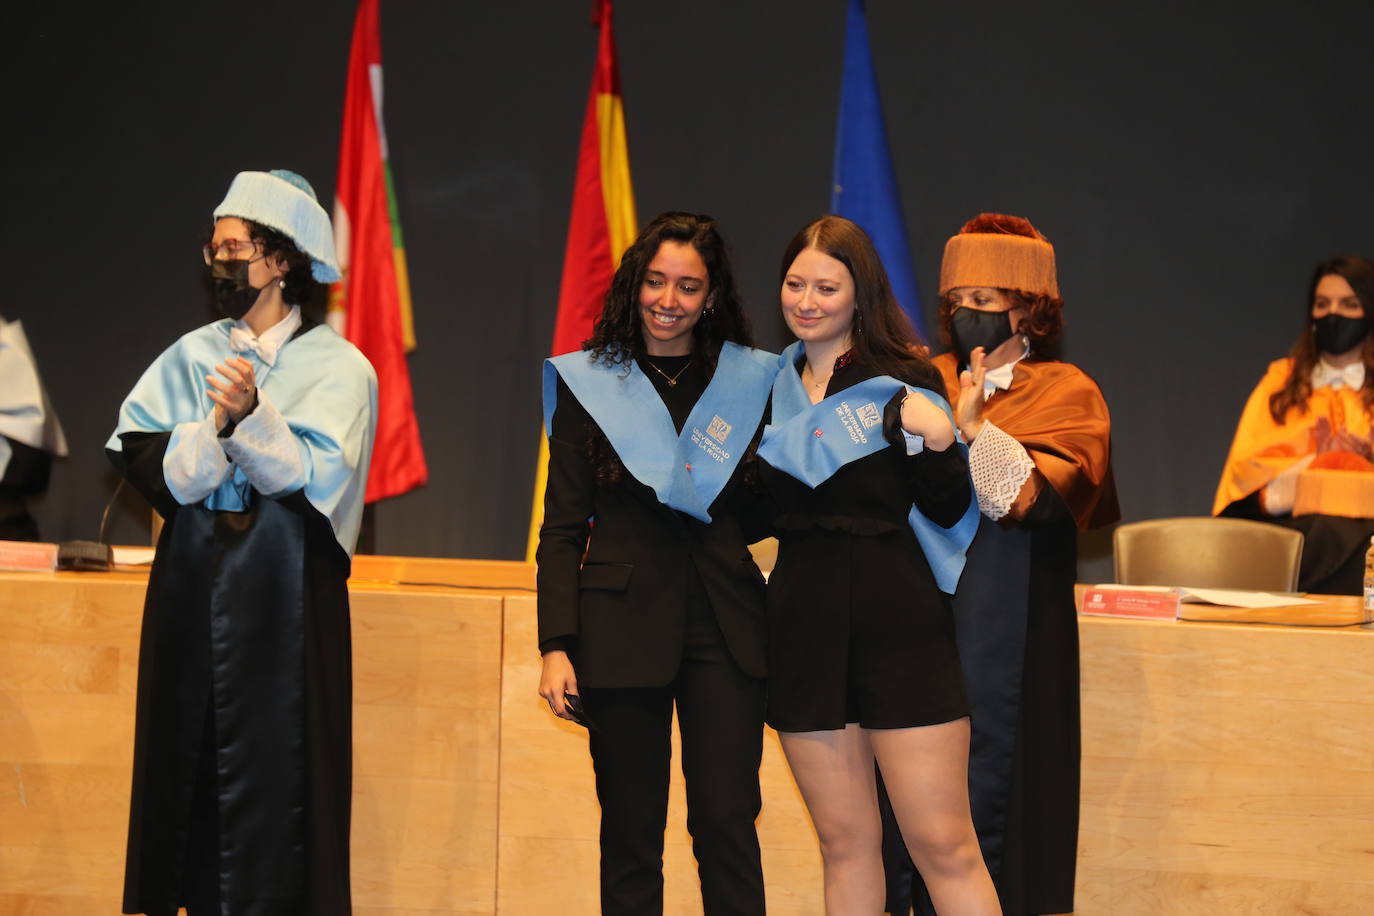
[[264, 447], [1000, 467], [194, 464]]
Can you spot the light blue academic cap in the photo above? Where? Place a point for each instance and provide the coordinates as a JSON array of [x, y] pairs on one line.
[[286, 202]]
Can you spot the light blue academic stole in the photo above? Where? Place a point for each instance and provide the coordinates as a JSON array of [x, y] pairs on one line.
[[686, 471], [813, 441], [319, 384]]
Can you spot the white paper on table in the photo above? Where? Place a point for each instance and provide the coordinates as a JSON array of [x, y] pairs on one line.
[[1224, 597], [131, 556], [1234, 597]]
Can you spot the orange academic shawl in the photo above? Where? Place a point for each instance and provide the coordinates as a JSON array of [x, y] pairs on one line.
[[1058, 415], [1263, 448]]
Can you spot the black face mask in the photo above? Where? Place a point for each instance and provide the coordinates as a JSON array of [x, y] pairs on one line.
[[1335, 334], [971, 328], [233, 293]]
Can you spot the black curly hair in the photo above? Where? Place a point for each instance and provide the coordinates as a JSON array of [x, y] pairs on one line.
[[618, 335], [301, 288]]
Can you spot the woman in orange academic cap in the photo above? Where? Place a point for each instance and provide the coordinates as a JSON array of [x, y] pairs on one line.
[[1039, 440]]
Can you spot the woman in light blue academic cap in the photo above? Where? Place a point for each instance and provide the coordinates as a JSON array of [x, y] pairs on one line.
[[251, 436]]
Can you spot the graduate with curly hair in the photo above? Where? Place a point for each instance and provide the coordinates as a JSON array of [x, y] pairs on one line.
[[649, 599]]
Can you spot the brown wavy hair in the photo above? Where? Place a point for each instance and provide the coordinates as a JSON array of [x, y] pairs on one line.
[[1359, 273], [882, 334]]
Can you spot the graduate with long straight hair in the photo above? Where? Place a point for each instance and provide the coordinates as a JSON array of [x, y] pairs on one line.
[[648, 597], [873, 511], [1303, 452]]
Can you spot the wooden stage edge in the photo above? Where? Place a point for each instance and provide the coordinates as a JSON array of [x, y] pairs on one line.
[[1227, 768]]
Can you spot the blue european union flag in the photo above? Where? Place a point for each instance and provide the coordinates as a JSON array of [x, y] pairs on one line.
[[864, 187]]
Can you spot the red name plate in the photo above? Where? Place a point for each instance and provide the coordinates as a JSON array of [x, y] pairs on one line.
[[1126, 602], [28, 556]]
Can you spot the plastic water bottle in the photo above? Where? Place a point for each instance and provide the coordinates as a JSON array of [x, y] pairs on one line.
[[1368, 615]]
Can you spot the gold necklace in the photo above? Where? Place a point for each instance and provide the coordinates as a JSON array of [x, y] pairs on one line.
[[816, 383], [672, 379]]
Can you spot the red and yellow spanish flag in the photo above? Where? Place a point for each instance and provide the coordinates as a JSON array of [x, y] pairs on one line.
[[602, 225], [371, 304]]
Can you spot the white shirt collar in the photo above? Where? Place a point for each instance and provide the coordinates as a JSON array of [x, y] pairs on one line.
[[241, 337], [999, 379], [1324, 374]]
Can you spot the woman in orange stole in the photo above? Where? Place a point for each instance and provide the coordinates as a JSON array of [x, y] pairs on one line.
[[1040, 455], [1302, 453]]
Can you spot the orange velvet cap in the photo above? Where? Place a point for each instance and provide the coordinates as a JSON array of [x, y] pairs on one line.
[[994, 250]]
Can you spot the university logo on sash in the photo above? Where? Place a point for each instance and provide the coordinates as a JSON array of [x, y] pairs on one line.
[[719, 429]]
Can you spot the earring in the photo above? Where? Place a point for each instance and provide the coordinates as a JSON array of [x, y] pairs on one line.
[[282, 283]]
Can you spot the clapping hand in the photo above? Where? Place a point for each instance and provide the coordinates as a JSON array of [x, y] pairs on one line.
[[968, 410], [233, 399]]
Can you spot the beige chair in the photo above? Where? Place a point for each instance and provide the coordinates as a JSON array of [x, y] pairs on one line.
[[1208, 553]]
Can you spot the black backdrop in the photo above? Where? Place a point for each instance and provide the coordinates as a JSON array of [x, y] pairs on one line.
[[1189, 161]]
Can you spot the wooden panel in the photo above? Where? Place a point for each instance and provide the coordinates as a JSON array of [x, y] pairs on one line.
[[81, 807], [56, 905], [1122, 891], [1226, 768], [426, 677], [424, 844], [62, 669], [426, 717], [83, 609], [433, 651]]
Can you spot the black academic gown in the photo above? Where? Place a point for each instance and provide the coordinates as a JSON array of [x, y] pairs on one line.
[[243, 742], [26, 475]]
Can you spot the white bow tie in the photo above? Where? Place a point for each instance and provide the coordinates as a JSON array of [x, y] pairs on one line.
[[241, 341], [1352, 376]]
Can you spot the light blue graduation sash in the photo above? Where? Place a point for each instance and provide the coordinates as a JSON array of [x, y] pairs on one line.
[[686, 471], [813, 441]]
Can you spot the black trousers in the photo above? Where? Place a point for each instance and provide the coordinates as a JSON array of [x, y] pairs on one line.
[[720, 715]]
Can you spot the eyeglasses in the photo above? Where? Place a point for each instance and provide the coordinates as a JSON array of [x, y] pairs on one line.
[[232, 249]]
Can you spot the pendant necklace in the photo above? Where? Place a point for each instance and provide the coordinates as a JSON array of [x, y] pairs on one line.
[[672, 379]]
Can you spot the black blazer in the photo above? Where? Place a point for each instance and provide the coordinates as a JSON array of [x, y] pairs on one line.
[[619, 602]]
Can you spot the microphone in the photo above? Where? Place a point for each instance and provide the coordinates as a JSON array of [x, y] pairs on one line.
[[90, 556]]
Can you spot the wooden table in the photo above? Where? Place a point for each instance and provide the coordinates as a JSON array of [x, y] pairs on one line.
[[1227, 768]]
